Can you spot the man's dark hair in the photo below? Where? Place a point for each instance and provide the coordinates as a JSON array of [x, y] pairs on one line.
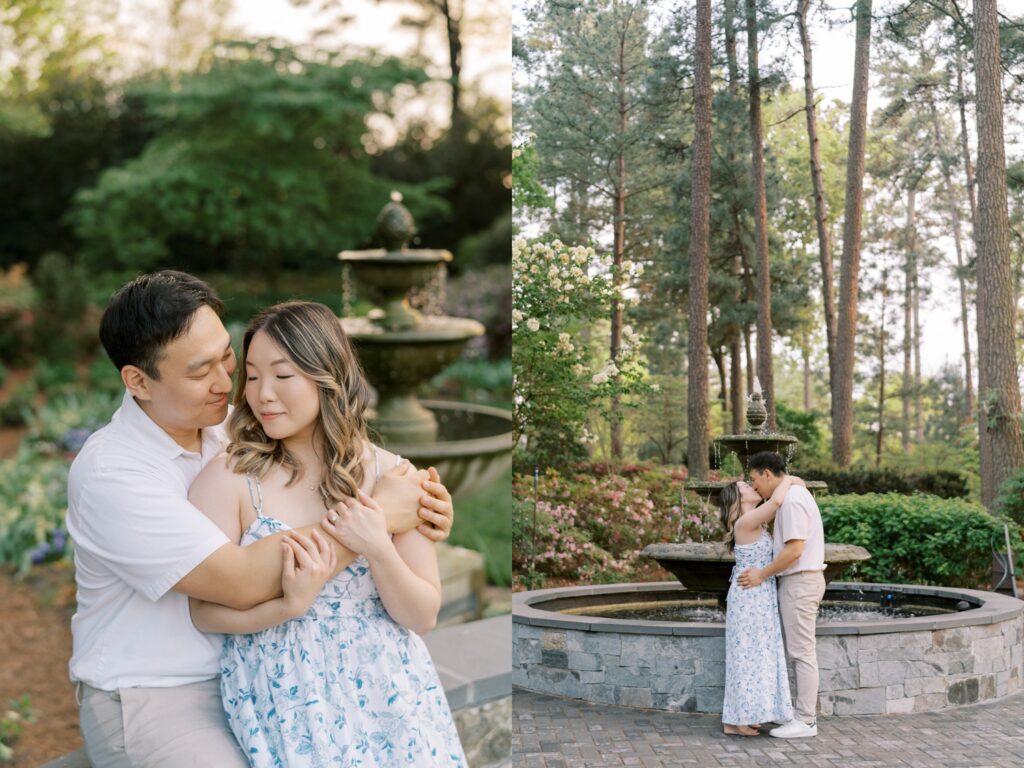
[[150, 312], [767, 460]]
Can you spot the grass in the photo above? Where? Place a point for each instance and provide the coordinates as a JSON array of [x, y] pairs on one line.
[[484, 523]]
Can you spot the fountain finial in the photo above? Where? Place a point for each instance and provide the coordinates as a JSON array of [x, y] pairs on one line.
[[395, 225], [757, 412]]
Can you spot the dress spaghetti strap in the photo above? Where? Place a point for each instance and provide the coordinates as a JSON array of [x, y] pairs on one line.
[[255, 492]]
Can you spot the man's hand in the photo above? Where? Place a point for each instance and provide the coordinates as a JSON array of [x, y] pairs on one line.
[[751, 577], [436, 509], [398, 493]]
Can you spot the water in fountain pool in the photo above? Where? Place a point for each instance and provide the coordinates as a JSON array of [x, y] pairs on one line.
[[709, 612]]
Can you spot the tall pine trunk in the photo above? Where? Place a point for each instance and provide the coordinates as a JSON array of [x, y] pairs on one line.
[[736, 389], [998, 389], [881, 372], [820, 204], [908, 319], [764, 286], [700, 250], [846, 321], [619, 246]]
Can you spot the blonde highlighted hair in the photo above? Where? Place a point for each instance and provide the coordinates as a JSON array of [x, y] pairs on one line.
[[729, 512], [312, 338]]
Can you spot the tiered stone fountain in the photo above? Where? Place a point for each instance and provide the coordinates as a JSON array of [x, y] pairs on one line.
[[706, 566], [399, 348], [882, 648]]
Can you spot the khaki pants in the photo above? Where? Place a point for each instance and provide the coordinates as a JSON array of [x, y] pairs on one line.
[[175, 727], [799, 597]]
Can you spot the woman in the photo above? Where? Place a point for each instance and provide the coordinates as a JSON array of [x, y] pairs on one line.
[[333, 673], [756, 680]]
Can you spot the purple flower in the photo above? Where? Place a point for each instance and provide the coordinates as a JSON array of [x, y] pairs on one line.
[[39, 554]]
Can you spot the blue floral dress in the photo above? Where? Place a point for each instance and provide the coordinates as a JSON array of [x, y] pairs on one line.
[[344, 685], [756, 681]]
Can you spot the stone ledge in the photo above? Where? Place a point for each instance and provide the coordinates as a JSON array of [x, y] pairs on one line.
[[480, 693]]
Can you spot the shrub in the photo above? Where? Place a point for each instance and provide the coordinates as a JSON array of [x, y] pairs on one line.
[[590, 523], [15, 335], [945, 483], [18, 410], [915, 539], [60, 308], [12, 723], [1011, 497], [33, 503], [53, 377]]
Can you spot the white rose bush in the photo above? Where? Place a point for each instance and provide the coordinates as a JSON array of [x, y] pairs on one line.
[[562, 297]]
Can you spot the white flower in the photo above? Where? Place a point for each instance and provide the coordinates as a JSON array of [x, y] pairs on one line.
[[517, 316], [578, 369], [599, 378], [533, 324]]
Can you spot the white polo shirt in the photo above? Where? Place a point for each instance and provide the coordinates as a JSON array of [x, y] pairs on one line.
[[136, 535], [800, 518]]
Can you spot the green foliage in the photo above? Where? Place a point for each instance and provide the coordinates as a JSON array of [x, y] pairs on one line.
[[12, 723], [60, 308], [55, 377], [805, 426], [944, 483], [527, 192], [486, 295], [589, 522], [15, 335], [478, 381], [262, 149], [1011, 497], [557, 303], [17, 410], [33, 504], [483, 524], [917, 539]]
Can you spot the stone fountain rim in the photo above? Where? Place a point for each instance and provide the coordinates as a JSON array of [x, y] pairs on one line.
[[478, 446], [777, 437], [405, 256], [992, 608], [461, 329], [717, 552]]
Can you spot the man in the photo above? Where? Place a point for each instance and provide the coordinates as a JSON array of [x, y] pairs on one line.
[[147, 679], [799, 548]]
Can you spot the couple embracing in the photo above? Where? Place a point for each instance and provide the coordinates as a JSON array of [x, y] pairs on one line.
[[252, 582], [778, 574]]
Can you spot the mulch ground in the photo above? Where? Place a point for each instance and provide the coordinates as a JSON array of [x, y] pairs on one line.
[[35, 645]]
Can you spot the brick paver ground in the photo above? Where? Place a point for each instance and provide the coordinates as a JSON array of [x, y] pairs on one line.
[[549, 732]]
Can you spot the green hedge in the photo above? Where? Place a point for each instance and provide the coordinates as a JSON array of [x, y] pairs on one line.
[[917, 539], [944, 483]]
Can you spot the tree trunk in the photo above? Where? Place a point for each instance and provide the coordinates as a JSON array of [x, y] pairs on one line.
[[808, 396], [619, 247], [700, 250], [918, 396], [452, 28], [881, 377], [965, 148], [908, 319], [764, 286], [846, 322], [820, 204], [718, 355], [965, 320], [736, 389], [998, 389], [750, 359]]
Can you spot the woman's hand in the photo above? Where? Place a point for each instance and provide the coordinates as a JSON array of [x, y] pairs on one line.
[[779, 494], [308, 564], [798, 481], [360, 525], [435, 509]]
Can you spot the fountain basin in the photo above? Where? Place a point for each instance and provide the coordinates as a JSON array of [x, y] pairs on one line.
[[707, 566], [473, 449], [892, 665]]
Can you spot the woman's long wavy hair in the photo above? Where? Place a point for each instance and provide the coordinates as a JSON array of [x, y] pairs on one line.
[[729, 512], [312, 338]]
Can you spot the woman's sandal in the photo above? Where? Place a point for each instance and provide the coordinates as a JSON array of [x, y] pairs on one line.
[[740, 730]]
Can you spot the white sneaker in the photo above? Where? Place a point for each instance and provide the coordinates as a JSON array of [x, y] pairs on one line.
[[795, 729]]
